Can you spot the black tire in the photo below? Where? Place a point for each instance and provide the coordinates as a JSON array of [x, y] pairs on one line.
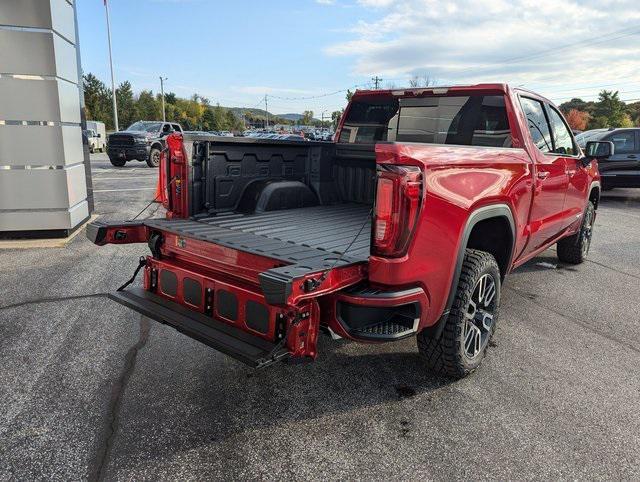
[[118, 162], [154, 157], [452, 355], [574, 249]]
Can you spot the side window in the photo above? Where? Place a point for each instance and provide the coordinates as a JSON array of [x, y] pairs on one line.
[[561, 134], [166, 128], [623, 141], [176, 127], [537, 123]]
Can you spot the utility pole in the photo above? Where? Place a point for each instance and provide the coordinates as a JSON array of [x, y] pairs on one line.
[[322, 118], [162, 79], [113, 82], [376, 81], [266, 109]]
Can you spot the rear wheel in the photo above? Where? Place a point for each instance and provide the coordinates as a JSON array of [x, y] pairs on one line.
[[118, 162], [574, 249], [471, 322], [154, 157]]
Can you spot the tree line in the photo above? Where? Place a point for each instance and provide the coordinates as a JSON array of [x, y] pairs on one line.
[[195, 113], [607, 111]]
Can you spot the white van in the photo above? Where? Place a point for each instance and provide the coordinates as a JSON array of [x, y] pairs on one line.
[[97, 136]]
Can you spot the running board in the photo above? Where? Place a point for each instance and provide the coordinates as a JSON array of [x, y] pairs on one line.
[[242, 346]]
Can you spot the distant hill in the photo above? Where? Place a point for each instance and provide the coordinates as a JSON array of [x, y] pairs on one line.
[[238, 111], [291, 117]]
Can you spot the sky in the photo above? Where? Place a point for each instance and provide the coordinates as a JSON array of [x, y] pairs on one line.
[[303, 54]]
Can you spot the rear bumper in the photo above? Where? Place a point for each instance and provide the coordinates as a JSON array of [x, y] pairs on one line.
[[128, 153], [371, 315]]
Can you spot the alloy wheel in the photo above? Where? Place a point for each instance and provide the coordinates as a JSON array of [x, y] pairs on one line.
[[479, 317]]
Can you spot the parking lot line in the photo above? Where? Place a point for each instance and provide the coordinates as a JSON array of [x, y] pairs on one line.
[[120, 178], [121, 190]]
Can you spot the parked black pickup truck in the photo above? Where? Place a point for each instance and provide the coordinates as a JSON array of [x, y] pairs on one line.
[[142, 141]]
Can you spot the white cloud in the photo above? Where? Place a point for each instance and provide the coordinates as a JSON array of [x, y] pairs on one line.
[[495, 40], [376, 3]]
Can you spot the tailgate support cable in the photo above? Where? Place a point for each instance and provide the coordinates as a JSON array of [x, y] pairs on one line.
[[155, 199], [271, 356], [314, 284], [141, 262]]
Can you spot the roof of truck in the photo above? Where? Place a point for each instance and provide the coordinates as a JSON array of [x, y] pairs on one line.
[[435, 90]]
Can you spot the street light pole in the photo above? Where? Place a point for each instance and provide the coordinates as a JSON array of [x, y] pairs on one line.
[[113, 81], [162, 79]]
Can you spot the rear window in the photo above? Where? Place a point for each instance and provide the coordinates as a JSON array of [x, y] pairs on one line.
[[476, 120]]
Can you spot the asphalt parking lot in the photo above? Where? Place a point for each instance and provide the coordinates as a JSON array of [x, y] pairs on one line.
[[89, 389]]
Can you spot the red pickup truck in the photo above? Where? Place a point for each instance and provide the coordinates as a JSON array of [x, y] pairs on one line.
[[406, 225]]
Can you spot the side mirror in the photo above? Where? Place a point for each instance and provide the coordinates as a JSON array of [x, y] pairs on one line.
[[597, 150], [600, 149], [99, 136]]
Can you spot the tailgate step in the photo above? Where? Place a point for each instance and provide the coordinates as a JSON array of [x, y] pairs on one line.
[[396, 328], [227, 339]]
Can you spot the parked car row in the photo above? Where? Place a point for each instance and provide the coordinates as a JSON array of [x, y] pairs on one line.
[[282, 137]]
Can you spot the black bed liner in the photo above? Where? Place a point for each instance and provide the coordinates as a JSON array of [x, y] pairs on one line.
[[312, 238]]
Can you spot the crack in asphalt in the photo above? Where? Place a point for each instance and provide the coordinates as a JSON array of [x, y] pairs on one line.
[[97, 467], [612, 268], [576, 321], [54, 300]]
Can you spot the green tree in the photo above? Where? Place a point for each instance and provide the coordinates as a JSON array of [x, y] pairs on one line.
[[335, 118], [574, 104], [148, 107], [208, 120], [219, 119], [307, 117], [611, 108], [97, 99], [232, 121], [127, 114]]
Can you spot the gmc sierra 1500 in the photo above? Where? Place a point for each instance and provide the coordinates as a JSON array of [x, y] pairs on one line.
[[406, 225]]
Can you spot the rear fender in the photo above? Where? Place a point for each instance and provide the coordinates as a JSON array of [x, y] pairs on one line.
[[480, 214]]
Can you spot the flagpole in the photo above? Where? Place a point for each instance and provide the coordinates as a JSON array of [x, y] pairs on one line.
[[113, 82]]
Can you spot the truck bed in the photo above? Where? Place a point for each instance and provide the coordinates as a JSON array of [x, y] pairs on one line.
[[312, 237]]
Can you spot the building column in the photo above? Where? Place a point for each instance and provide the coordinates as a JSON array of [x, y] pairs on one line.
[[44, 168]]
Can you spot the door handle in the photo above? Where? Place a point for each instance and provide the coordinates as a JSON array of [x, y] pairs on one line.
[[631, 156], [543, 174]]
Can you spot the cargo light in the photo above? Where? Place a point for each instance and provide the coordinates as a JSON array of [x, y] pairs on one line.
[[398, 199]]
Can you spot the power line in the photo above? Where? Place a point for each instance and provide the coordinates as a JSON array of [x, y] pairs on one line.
[[583, 42]]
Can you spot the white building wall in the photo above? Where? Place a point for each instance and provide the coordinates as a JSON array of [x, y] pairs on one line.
[[42, 172]]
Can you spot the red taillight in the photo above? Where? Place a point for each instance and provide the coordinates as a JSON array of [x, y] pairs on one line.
[[398, 196]]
